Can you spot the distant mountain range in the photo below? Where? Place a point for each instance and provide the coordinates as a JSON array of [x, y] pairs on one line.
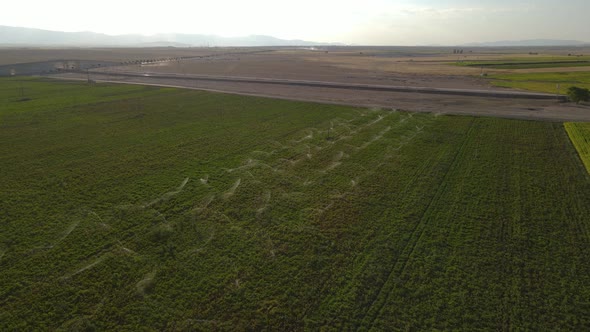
[[17, 36], [529, 42]]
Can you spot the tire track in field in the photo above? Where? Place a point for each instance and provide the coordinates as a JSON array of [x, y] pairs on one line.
[[300, 150], [167, 195], [68, 231], [107, 251], [417, 171], [337, 161], [86, 267], [408, 251], [301, 147]]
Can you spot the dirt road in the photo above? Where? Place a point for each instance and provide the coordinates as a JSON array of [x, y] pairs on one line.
[[519, 108], [490, 93]]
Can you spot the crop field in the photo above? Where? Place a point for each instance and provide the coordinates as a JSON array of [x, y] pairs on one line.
[[528, 65], [531, 62], [14, 55], [542, 82], [145, 208], [579, 133]]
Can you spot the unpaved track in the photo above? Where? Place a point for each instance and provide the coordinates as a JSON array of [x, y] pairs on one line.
[[497, 103], [497, 93]]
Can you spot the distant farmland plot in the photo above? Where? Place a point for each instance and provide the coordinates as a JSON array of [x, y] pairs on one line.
[[525, 64], [129, 207], [542, 82]]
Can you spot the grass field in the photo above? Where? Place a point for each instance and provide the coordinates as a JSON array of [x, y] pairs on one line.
[[579, 133], [143, 208], [542, 82], [530, 63], [564, 64]]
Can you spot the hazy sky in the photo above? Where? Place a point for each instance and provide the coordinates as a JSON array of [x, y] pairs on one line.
[[377, 22]]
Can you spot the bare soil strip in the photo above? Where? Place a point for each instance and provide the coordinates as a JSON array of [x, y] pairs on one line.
[[351, 86], [513, 108]]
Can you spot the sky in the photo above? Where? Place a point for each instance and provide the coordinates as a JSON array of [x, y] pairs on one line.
[[367, 22]]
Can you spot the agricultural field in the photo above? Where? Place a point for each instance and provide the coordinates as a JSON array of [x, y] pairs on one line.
[[579, 133], [531, 62], [15, 55], [542, 82], [530, 65], [144, 208]]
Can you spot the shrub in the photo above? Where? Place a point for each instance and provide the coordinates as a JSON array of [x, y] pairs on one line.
[[577, 94]]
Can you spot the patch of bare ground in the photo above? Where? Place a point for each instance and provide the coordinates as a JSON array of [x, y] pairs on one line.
[[529, 109], [412, 67]]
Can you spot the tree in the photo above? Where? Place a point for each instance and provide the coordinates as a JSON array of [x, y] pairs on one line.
[[577, 94]]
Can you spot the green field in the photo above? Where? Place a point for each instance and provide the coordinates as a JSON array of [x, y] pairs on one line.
[[530, 63], [524, 65], [579, 133], [542, 82], [144, 208]]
